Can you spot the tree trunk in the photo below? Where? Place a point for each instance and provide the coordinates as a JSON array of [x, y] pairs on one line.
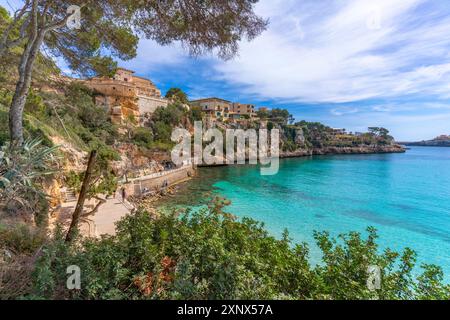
[[81, 199], [22, 87]]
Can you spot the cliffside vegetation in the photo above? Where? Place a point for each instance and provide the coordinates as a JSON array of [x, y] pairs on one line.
[[317, 135], [304, 135], [208, 254]]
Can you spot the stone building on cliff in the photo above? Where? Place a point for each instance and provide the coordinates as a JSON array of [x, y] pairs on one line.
[[216, 108], [126, 95]]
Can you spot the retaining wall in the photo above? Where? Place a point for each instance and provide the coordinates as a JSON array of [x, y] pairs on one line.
[[158, 181]]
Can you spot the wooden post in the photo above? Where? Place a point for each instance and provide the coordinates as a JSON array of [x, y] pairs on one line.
[[82, 197]]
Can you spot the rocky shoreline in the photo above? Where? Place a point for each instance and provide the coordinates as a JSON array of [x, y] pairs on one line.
[[150, 200], [396, 148], [343, 150]]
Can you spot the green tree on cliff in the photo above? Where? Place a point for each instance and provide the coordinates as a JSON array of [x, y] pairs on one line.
[[382, 134], [111, 29], [177, 95]]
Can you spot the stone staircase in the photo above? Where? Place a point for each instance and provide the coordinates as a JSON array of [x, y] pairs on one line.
[[71, 195]]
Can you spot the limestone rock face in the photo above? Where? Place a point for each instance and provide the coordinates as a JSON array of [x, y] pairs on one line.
[[299, 137], [139, 161], [343, 150], [360, 150], [52, 187], [74, 159]]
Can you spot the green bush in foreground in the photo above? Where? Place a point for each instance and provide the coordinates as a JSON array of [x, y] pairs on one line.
[[210, 255]]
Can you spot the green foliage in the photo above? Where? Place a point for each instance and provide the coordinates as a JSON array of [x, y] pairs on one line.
[[4, 13], [381, 135], [163, 131], [21, 237], [91, 121], [263, 114], [162, 123], [94, 117], [4, 133], [171, 115], [315, 133], [21, 171], [346, 262], [195, 113], [72, 116], [35, 105], [318, 135], [5, 97], [289, 146], [209, 254], [103, 177], [177, 95], [33, 129], [143, 137], [281, 116], [84, 49]]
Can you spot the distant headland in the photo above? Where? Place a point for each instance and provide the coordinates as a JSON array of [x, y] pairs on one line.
[[441, 141]]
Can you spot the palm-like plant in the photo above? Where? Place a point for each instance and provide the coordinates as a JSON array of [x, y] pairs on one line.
[[21, 171]]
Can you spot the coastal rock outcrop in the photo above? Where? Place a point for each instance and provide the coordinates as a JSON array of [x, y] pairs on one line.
[[343, 150]]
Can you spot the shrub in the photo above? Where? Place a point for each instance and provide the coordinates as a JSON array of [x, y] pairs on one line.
[[21, 171], [162, 131], [142, 137], [178, 95], [209, 254], [21, 238], [94, 117], [4, 129], [195, 113], [35, 105], [289, 146], [171, 115]]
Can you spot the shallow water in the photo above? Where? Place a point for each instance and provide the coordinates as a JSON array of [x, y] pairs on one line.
[[406, 197]]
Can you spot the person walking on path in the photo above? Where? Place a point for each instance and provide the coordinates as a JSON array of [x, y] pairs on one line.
[[124, 194]]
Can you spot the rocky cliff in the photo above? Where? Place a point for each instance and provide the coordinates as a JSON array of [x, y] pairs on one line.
[[343, 150]]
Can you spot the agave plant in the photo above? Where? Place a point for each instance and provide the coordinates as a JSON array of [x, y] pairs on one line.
[[21, 170]]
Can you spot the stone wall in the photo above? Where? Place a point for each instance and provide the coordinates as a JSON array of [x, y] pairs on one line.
[[150, 104], [140, 186]]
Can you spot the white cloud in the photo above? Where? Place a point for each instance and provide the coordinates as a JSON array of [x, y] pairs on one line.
[[323, 51], [344, 111], [381, 108], [151, 56]]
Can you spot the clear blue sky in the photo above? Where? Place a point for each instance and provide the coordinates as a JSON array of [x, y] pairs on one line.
[[350, 64]]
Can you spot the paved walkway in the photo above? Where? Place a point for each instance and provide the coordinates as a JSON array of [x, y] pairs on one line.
[[103, 222], [108, 214]]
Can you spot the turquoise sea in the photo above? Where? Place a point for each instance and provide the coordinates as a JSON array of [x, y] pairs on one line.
[[406, 197]]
